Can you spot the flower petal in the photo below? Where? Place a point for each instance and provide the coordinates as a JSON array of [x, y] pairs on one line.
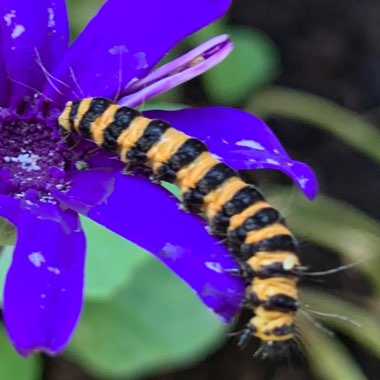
[[126, 39], [9, 208], [34, 37], [44, 285], [4, 81], [241, 140], [148, 215], [181, 70]]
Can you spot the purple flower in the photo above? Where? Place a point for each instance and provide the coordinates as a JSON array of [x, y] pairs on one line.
[[43, 184]]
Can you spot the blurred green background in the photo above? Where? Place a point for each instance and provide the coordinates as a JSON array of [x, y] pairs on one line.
[[311, 69]]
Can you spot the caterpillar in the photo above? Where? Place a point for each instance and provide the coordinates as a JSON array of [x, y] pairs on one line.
[[236, 211]]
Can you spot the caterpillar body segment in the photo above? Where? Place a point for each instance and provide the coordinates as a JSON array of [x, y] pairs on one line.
[[254, 231]]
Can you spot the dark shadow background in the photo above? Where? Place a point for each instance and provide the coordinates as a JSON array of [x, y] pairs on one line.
[[330, 48]]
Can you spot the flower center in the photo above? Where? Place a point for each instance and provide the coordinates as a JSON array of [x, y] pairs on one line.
[[32, 154]]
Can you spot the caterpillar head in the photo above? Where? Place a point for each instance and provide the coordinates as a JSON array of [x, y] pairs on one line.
[[64, 118]]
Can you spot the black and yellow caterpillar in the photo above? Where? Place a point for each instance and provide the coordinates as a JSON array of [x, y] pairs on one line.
[[235, 210]]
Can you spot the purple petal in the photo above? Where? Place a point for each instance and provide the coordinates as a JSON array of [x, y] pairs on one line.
[[241, 140], [4, 82], [181, 70], [5, 185], [148, 215], [9, 208], [34, 37], [126, 39], [44, 285]]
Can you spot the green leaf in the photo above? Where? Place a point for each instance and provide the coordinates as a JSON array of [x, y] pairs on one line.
[[325, 114], [364, 327], [13, 366], [7, 233], [337, 226], [6, 253], [80, 12], [329, 359], [111, 260], [253, 63], [172, 188], [153, 322], [210, 31], [157, 105]]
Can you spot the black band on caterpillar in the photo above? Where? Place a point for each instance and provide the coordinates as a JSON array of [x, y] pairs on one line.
[[240, 201], [96, 109], [278, 302], [184, 156], [275, 269], [262, 218], [152, 134], [193, 199], [121, 121], [285, 330], [272, 244]]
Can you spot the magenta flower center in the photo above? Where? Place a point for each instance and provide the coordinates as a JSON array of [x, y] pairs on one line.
[[32, 153]]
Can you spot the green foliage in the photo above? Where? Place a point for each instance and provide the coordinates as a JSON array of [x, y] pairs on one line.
[[337, 226], [5, 261], [111, 260], [355, 235], [7, 233], [253, 63], [14, 367], [358, 321], [80, 12], [329, 359], [152, 322], [325, 114]]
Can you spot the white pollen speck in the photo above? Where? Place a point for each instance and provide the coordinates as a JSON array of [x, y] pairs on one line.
[[17, 31], [8, 17], [303, 181], [271, 161], [118, 49], [43, 296], [216, 267], [216, 157], [141, 61], [28, 161], [36, 258], [51, 20], [250, 144], [225, 142], [54, 270]]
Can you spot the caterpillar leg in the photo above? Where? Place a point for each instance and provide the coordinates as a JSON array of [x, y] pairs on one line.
[[244, 271], [244, 336], [131, 168], [156, 178]]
